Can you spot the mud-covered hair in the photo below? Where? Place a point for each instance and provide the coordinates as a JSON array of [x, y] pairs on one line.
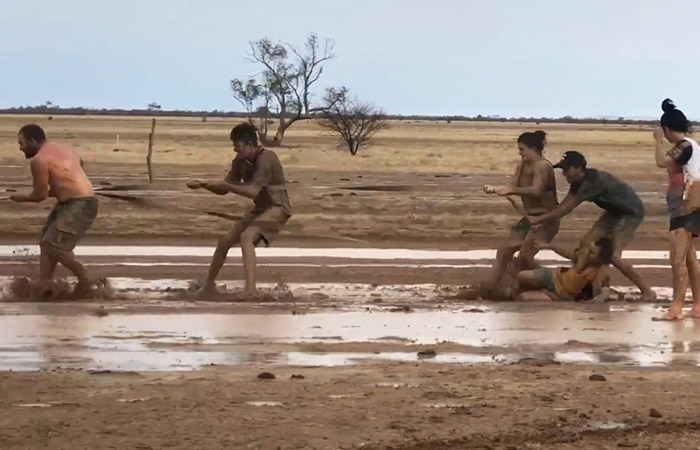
[[245, 132], [534, 140]]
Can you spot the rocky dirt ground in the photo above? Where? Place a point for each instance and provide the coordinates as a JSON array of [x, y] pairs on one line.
[[370, 406]]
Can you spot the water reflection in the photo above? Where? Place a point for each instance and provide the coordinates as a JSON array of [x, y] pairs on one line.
[[35, 339]]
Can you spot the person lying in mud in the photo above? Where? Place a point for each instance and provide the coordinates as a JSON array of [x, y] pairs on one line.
[[622, 215], [586, 279], [534, 182], [256, 173], [58, 172]]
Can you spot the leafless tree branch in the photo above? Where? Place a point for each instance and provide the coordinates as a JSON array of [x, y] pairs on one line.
[[356, 123]]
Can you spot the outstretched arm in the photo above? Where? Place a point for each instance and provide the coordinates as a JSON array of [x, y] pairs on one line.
[[246, 190], [601, 283], [565, 207], [249, 190], [561, 251], [215, 187], [518, 207], [509, 188], [40, 177]]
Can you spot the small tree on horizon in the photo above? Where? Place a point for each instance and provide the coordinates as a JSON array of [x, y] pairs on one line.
[[285, 82], [355, 122]]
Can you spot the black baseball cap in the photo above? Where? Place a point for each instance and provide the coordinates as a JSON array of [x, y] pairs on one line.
[[571, 158]]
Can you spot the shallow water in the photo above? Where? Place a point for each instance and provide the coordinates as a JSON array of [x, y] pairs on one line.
[[287, 252], [31, 339]]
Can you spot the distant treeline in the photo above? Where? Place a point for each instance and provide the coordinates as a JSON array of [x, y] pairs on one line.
[[79, 111]]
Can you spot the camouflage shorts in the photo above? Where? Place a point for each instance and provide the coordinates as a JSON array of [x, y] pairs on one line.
[[68, 223]]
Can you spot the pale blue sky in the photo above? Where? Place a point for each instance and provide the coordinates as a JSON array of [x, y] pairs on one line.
[[508, 57]]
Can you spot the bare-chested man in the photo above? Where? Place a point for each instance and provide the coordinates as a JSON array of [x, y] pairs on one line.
[[535, 184], [57, 172], [256, 173]]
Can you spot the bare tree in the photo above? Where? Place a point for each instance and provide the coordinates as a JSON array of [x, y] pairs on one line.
[[355, 122], [246, 94], [286, 80]]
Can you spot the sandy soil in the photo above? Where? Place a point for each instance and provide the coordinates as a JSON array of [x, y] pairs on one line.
[[377, 406]]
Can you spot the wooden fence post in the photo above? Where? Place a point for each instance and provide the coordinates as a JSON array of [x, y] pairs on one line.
[[150, 150]]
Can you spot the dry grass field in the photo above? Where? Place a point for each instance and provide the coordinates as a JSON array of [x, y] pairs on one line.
[[439, 168]]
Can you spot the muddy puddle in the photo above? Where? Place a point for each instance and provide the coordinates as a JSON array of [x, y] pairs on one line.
[[317, 295], [34, 338]]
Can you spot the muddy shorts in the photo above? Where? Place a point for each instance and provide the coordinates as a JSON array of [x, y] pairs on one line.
[[690, 222], [547, 277], [68, 222], [523, 231], [269, 221], [620, 228]]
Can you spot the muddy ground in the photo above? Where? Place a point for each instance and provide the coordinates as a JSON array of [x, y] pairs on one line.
[[372, 406], [418, 187]]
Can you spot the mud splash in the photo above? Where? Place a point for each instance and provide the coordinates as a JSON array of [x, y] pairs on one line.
[[351, 295], [23, 289]]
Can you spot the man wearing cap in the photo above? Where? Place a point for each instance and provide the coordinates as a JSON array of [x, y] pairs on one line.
[[623, 210]]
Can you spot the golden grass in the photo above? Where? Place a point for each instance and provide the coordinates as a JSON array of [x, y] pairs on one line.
[[437, 211], [408, 146]]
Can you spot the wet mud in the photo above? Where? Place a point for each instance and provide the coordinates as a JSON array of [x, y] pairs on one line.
[[37, 336]]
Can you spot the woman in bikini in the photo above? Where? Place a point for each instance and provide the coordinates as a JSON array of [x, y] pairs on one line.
[[535, 184]]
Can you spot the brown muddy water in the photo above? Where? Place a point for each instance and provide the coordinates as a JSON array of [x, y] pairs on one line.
[[48, 336]]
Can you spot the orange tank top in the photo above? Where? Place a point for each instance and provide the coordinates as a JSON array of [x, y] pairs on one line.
[[570, 283]]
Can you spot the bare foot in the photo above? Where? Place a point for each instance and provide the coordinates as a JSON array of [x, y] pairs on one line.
[[42, 289], [693, 313], [206, 292], [250, 295], [671, 314], [602, 297], [86, 288], [648, 296], [468, 293]]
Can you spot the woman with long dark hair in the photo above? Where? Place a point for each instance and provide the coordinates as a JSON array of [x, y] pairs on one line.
[[535, 184], [682, 162]]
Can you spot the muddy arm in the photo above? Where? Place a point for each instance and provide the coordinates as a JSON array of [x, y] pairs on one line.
[[601, 283], [565, 207], [561, 251], [513, 201], [40, 176]]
